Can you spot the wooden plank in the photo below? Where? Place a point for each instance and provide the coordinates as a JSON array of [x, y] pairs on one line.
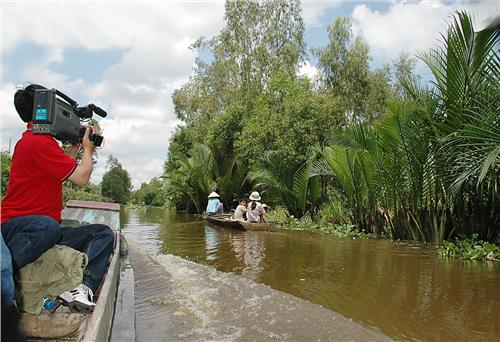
[[93, 205], [99, 325], [124, 321]]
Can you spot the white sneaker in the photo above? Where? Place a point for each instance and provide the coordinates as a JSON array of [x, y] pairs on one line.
[[80, 299]]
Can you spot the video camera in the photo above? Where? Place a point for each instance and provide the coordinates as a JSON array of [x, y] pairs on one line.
[[57, 114]]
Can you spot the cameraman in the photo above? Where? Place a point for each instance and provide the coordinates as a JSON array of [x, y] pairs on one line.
[[31, 210]]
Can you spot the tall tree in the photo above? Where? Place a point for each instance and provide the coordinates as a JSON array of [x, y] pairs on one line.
[[116, 182], [259, 39], [344, 73]]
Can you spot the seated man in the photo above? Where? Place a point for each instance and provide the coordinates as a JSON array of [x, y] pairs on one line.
[[31, 210], [214, 205]]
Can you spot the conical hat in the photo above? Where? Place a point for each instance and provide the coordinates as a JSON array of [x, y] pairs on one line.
[[213, 194]]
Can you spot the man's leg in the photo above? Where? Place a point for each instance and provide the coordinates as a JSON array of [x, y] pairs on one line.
[[8, 289], [95, 240], [10, 315], [28, 237]]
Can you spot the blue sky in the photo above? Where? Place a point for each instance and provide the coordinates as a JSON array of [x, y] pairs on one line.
[[128, 57]]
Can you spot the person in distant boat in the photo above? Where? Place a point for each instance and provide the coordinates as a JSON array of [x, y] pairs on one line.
[[31, 209], [240, 213], [255, 211], [214, 205]]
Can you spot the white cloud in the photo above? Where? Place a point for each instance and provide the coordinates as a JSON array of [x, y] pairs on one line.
[[412, 26], [313, 11], [309, 70], [10, 122], [136, 91]]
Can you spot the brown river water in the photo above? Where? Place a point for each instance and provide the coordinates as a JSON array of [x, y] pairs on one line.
[[405, 291]]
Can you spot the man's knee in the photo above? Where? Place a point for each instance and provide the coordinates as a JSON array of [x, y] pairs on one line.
[[105, 233], [49, 229], [28, 237]]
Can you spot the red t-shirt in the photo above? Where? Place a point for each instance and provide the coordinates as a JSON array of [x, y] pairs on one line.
[[39, 166]]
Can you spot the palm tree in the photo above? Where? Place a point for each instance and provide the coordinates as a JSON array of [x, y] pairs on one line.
[[467, 81], [231, 176], [194, 178], [289, 183], [351, 162]]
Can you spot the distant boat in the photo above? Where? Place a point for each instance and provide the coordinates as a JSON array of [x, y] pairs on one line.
[[227, 221], [113, 316]]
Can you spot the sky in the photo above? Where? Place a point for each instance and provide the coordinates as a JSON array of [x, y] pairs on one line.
[[129, 56]]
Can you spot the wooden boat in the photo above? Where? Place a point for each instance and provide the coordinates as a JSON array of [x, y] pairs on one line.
[[268, 226], [113, 316], [227, 221]]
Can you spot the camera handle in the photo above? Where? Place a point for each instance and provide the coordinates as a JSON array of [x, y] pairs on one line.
[[68, 99]]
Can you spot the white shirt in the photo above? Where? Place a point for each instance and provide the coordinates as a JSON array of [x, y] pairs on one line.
[[254, 215], [239, 212]]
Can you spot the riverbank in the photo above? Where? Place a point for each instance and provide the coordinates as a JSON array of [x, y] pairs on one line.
[[459, 248]]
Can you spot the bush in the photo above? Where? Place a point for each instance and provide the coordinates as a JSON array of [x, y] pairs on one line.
[[348, 231], [470, 249], [334, 212]]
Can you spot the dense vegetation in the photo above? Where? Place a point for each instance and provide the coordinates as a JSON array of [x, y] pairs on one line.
[[371, 148], [116, 184], [5, 163]]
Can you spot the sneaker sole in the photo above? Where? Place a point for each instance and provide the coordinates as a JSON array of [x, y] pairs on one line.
[[78, 307]]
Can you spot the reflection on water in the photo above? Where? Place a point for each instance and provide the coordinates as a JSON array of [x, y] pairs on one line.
[[406, 291]]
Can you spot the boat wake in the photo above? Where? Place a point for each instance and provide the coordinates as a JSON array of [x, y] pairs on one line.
[[177, 299]]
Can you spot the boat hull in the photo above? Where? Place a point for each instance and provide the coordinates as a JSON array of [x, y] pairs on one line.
[[67, 326], [241, 225]]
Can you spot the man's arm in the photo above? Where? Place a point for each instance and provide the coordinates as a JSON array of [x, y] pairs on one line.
[[82, 172]]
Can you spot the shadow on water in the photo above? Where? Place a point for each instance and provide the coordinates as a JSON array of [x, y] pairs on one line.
[[406, 291]]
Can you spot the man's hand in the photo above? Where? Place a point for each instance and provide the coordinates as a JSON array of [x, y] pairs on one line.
[[86, 143]]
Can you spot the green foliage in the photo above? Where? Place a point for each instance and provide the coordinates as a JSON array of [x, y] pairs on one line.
[[372, 148], [152, 194], [344, 72], [116, 183], [470, 249], [279, 214], [193, 180], [467, 80], [288, 119], [334, 212], [5, 163], [430, 166], [340, 230], [90, 192], [227, 104], [285, 183], [352, 165]]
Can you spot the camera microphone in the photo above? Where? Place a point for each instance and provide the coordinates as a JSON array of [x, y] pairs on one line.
[[99, 111]]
